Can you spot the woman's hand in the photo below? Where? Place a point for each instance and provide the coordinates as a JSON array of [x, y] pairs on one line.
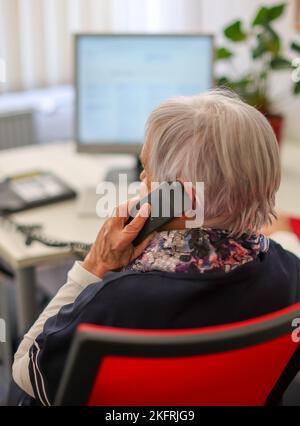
[[113, 247]]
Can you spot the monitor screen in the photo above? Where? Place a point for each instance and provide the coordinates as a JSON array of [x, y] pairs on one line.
[[120, 79]]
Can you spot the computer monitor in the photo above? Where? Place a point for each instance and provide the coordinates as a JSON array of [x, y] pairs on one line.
[[121, 78]]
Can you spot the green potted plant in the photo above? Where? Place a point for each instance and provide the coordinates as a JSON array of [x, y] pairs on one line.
[[267, 55]]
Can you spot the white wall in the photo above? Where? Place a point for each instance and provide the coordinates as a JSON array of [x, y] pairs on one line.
[[39, 52], [156, 15], [36, 35], [216, 14]]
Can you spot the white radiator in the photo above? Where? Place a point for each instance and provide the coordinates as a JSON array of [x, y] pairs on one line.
[[17, 129]]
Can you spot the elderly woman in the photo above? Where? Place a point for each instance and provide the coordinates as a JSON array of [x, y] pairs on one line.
[[223, 272]]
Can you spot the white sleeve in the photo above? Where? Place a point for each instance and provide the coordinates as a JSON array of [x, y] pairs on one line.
[[78, 280], [288, 240]]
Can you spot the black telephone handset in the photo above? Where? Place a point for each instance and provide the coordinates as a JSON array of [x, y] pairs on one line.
[[168, 200]]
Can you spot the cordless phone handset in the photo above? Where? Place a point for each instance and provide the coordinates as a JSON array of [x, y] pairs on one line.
[[168, 200]]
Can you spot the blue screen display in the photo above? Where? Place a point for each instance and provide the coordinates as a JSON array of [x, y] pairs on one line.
[[121, 79]]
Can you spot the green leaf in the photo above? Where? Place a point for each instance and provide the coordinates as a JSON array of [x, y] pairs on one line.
[[234, 32], [223, 81], [276, 11], [273, 46], [297, 88], [267, 41], [295, 47], [271, 40], [242, 83], [258, 51], [261, 17], [267, 14], [280, 63], [223, 53], [271, 32], [238, 86]]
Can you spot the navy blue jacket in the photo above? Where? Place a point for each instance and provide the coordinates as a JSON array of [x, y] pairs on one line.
[[161, 300]]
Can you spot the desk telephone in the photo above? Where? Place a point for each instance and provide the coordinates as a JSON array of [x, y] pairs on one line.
[[163, 210], [34, 189]]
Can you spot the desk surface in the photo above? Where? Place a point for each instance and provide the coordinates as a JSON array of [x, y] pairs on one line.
[[61, 221]]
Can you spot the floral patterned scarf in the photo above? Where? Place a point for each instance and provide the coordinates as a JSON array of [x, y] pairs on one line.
[[198, 250]]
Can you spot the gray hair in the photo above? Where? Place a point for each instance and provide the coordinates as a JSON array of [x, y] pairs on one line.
[[218, 139]]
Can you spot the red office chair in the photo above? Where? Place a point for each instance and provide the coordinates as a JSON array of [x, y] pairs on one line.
[[295, 225], [246, 363]]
